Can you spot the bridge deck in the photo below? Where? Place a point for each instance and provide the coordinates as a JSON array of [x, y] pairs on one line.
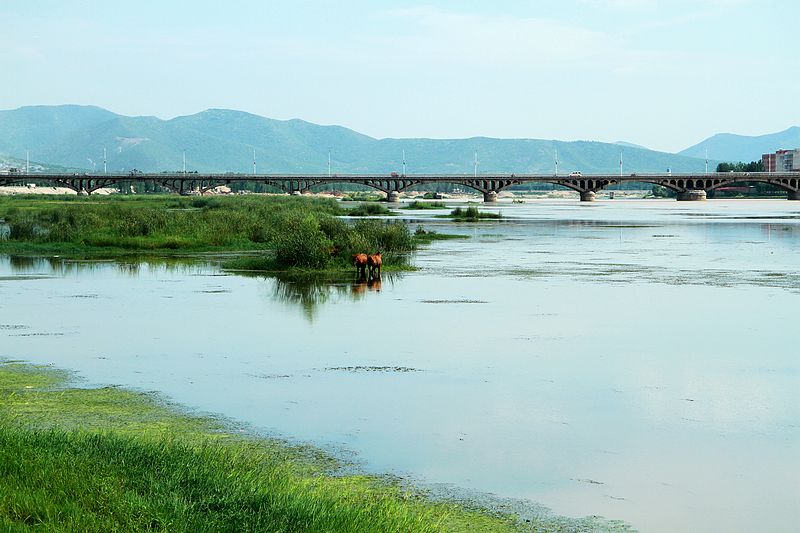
[[688, 186]]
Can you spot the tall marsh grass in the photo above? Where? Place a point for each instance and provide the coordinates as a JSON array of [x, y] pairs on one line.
[[300, 232]]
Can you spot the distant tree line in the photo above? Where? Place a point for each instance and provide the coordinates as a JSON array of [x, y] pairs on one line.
[[752, 166]]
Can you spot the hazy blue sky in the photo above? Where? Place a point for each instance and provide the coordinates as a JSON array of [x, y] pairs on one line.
[[663, 74]]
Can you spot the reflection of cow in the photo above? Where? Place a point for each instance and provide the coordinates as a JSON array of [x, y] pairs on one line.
[[374, 263], [359, 288], [360, 262], [374, 284]]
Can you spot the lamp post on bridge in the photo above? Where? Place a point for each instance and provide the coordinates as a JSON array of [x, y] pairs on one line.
[[556, 162]]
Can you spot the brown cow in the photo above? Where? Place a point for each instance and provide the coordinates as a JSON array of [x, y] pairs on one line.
[[360, 262], [374, 263]]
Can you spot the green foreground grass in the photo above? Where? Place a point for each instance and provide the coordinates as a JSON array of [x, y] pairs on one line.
[[287, 232], [74, 459]]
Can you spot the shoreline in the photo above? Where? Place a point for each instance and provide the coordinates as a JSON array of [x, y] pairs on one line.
[[47, 404]]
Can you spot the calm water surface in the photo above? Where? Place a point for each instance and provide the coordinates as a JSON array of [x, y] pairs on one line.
[[631, 359]]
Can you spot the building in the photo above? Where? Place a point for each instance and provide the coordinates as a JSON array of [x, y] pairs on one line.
[[768, 160], [782, 161]]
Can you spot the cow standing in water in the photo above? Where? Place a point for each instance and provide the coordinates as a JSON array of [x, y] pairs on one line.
[[360, 262], [374, 263]]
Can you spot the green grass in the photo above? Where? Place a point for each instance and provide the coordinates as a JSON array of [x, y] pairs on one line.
[[108, 459], [363, 196], [472, 214], [424, 205], [369, 209], [292, 232], [423, 236]]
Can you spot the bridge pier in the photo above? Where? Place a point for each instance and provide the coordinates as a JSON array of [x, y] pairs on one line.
[[692, 195], [490, 197], [393, 197], [794, 195], [588, 196], [83, 192]]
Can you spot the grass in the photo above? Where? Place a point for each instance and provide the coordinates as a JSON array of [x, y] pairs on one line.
[[423, 236], [472, 214], [107, 459], [290, 232], [362, 196], [369, 209], [424, 205]]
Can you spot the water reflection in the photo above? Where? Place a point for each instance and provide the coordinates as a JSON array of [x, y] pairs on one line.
[[309, 292], [133, 266]]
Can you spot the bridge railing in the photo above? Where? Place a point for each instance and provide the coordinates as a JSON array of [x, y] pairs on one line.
[[233, 176]]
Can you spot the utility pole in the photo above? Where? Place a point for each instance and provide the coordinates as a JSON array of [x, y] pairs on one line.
[[556, 162], [27, 161], [476, 163], [184, 163], [105, 163], [706, 161], [620, 163], [404, 162], [329, 162], [254, 161]]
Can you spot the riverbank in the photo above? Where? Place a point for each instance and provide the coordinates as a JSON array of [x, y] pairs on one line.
[[109, 459]]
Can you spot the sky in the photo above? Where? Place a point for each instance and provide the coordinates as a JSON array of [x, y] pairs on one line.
[[663, 74]]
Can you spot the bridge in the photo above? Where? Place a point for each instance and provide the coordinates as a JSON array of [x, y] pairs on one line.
[[688, 187]]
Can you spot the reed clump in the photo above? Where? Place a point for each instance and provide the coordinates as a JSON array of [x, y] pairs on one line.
[[472, 214]]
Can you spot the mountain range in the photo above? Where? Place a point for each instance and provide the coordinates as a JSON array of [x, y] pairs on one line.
[[733, 148], [219, 140]]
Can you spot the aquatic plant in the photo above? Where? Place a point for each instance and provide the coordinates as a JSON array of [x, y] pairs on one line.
[[472, 214], [424, 205]]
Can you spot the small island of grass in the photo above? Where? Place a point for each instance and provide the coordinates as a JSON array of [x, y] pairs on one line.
[[416, 204], [471, 214]]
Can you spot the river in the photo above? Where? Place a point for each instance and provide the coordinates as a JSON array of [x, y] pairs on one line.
[[636, 360]]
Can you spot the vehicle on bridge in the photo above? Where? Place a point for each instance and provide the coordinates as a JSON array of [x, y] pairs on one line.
[[575, 174]]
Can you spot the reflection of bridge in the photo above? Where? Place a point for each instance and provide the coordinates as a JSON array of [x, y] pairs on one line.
[[687, 186]]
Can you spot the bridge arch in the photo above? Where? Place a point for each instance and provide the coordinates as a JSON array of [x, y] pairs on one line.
[[309, 185], [473, 186], [785, 184]]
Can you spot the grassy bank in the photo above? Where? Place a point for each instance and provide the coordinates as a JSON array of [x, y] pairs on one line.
[[291, 232], [107, 459]]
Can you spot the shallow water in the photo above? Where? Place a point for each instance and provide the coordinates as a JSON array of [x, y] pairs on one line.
[[630, 359]]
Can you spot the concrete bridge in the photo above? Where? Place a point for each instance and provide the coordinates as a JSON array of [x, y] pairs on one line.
[[688, 187]]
